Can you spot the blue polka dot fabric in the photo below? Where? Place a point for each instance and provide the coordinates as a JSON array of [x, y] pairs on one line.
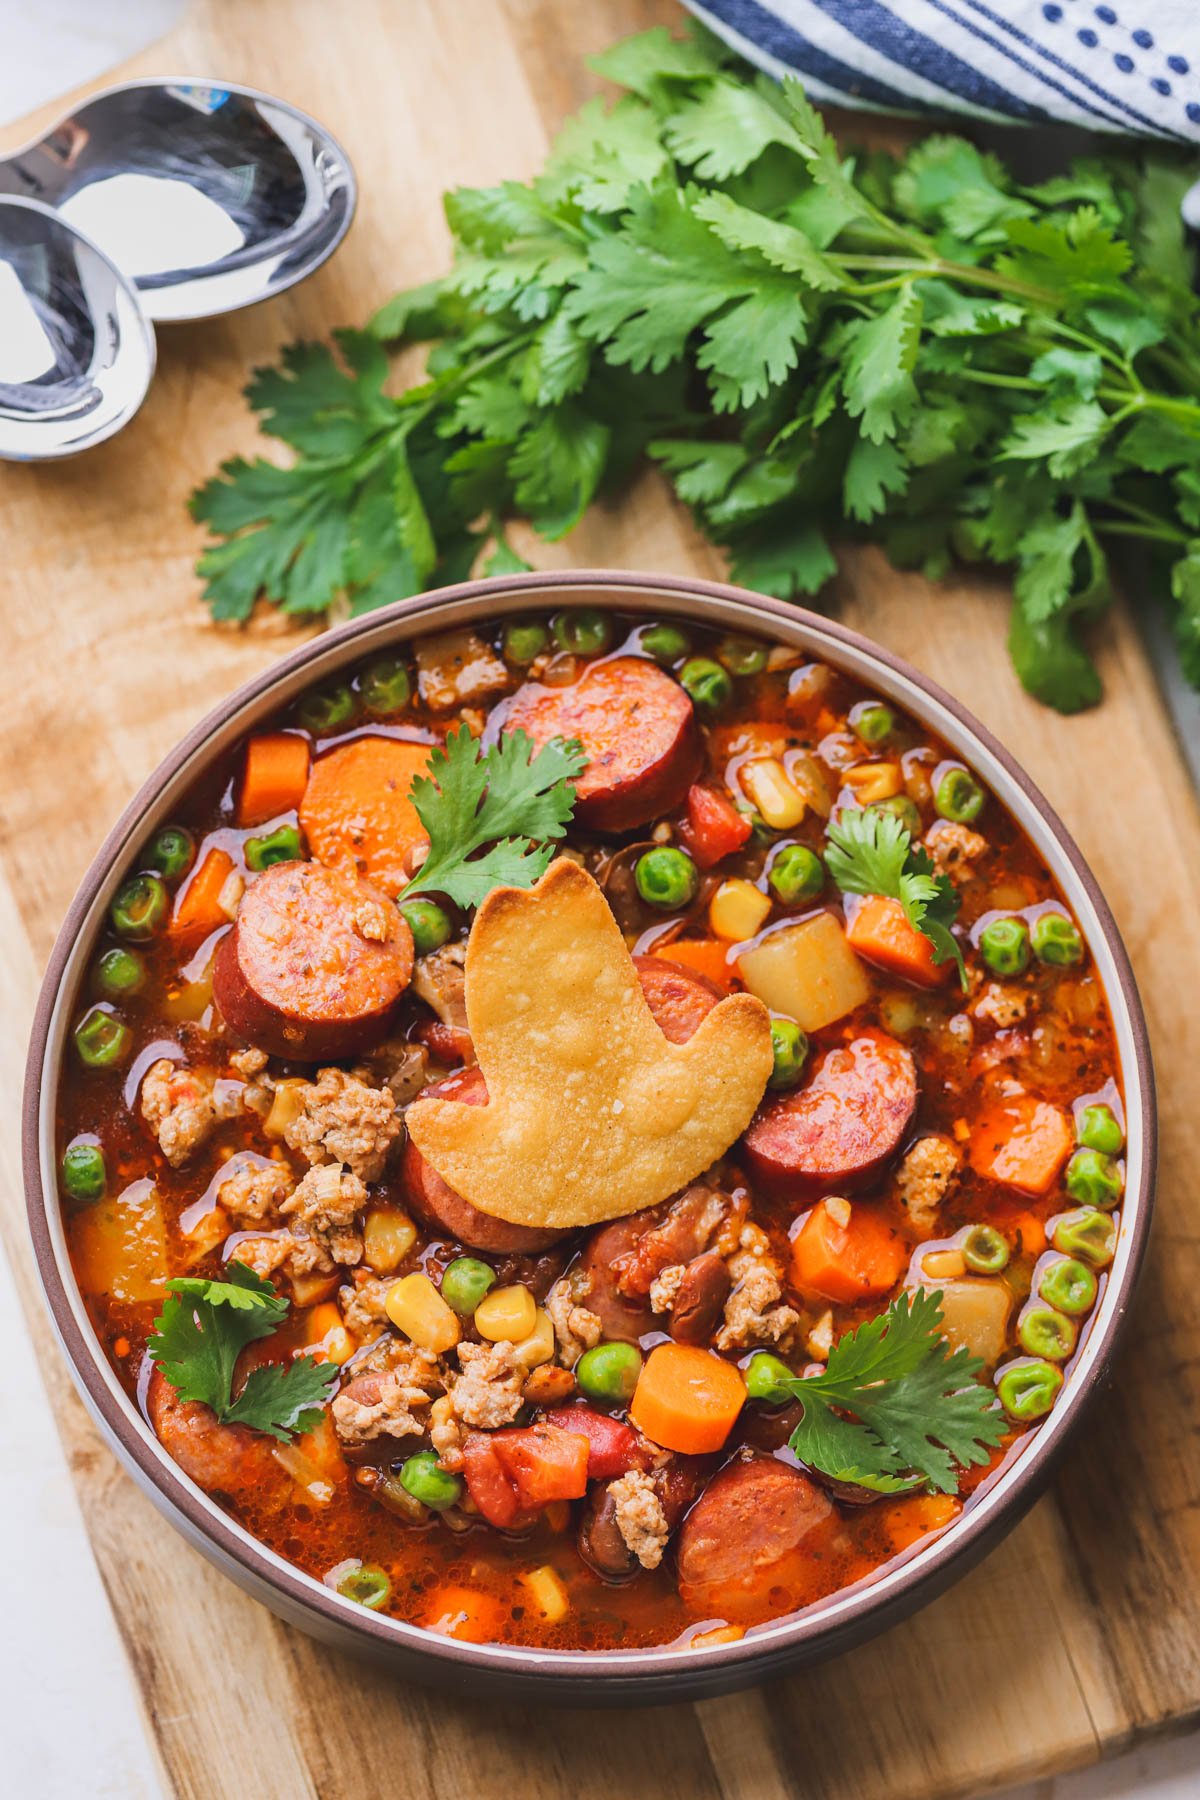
[[1132, 67]]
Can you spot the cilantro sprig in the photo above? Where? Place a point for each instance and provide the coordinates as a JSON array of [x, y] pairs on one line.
[[201, 1331], [919, 1412], [872, 853], [918, 349], [508, 797]]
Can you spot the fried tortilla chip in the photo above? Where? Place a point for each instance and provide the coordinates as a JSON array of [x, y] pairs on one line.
[[591, 1112]]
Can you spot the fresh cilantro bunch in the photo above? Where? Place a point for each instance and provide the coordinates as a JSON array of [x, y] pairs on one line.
[[919, 1412], [871, 853], [202, 1330], [509, 797], [917, 349]]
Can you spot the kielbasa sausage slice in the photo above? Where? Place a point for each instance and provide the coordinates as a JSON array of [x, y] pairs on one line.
[[839, 1129], [638, 730], [314, 964], [437, 1203], [755, 1543], [679, 999]]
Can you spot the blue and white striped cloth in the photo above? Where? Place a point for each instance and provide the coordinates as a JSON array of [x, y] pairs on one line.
[[1133, 67]]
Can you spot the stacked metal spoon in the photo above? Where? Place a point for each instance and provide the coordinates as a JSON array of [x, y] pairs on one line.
[[156, 200]]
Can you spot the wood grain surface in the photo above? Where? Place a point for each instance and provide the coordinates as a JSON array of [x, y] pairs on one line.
[[1080, 1633]]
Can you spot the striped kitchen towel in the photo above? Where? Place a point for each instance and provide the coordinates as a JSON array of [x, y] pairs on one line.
[[1132, 67]]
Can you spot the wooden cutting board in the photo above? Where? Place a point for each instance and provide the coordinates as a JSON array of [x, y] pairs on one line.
[[1083, 1631]]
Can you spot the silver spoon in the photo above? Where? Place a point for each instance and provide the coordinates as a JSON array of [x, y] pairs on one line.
[[210, 196], [76, 351]]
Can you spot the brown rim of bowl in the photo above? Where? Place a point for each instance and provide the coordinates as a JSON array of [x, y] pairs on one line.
[[843, 1617]]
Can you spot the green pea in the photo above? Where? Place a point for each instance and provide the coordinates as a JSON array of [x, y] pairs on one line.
[[428, 923], [872, 722], [790, 1048], [1093, 1179], [742, 656], [140, 907], [386, 686], [796, 874], [84, 1176], [1056, 940], [901, 807], [1097, 1128], [665, 643], [707, 684], [101, 1039], [1028, 1389], [984, 1250], [171, 852], [1004, 946], [366, 1584], [326, 709], [465, 1282], [609, 1372], [1045, 1332], [1068, 1285], [767, 1379], [582, 632], [1089, 1235], [426, 1481], [958, 797], [119, 971], [281, 845], [524, 642], [666, 878]]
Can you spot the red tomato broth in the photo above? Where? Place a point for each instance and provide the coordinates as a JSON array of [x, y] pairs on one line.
[[1063, 1049]]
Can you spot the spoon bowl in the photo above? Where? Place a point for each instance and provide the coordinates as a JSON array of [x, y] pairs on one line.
[[76, 352], [209, 196]]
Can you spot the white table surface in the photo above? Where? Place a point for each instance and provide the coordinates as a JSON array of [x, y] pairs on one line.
[[70, 1716]]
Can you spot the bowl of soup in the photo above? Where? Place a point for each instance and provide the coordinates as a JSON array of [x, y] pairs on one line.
[[360, 1256]]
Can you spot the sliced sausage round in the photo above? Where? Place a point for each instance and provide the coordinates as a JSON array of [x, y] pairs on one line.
[[221, 1459], [638, 730], [436, 1202], [839, 1129], [314, 964], [679, 999], [756, 1543]]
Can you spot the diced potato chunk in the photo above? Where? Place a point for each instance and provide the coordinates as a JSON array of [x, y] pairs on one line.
[[807, 971], [121, 1246], [975, 1313]]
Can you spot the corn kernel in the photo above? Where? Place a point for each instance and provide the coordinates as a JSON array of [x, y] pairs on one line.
[[538, 1347], [287, 1104], [943, 1265], [838, 1210], [720, 1634], [769, 790], [507, 1312], [388, 1236], [547, 1592], [737, 910], [416, 1308], [873, 781]]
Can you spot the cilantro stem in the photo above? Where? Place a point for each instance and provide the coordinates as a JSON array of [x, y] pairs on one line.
[[1160, 534]]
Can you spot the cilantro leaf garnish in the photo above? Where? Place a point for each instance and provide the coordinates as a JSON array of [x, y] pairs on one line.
[[202, 1330], [919, 349], [510, 798], [872, 853], [919, 1413]]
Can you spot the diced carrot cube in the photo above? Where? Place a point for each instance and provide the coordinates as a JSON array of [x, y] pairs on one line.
[[274, 778], [881, 935], [1022, 1142]]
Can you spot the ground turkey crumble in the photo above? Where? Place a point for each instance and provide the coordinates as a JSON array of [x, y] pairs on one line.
[[640, 1517], [439, 980], [179, 1106], [952, 847], [664, 1289], [364, 1304], [490, 1390], [342, 1120], [925, 1177], [1000, 1006], [753, 1314], [575, 1328], [252, 1193], [389, 1393], [324, 1208]]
